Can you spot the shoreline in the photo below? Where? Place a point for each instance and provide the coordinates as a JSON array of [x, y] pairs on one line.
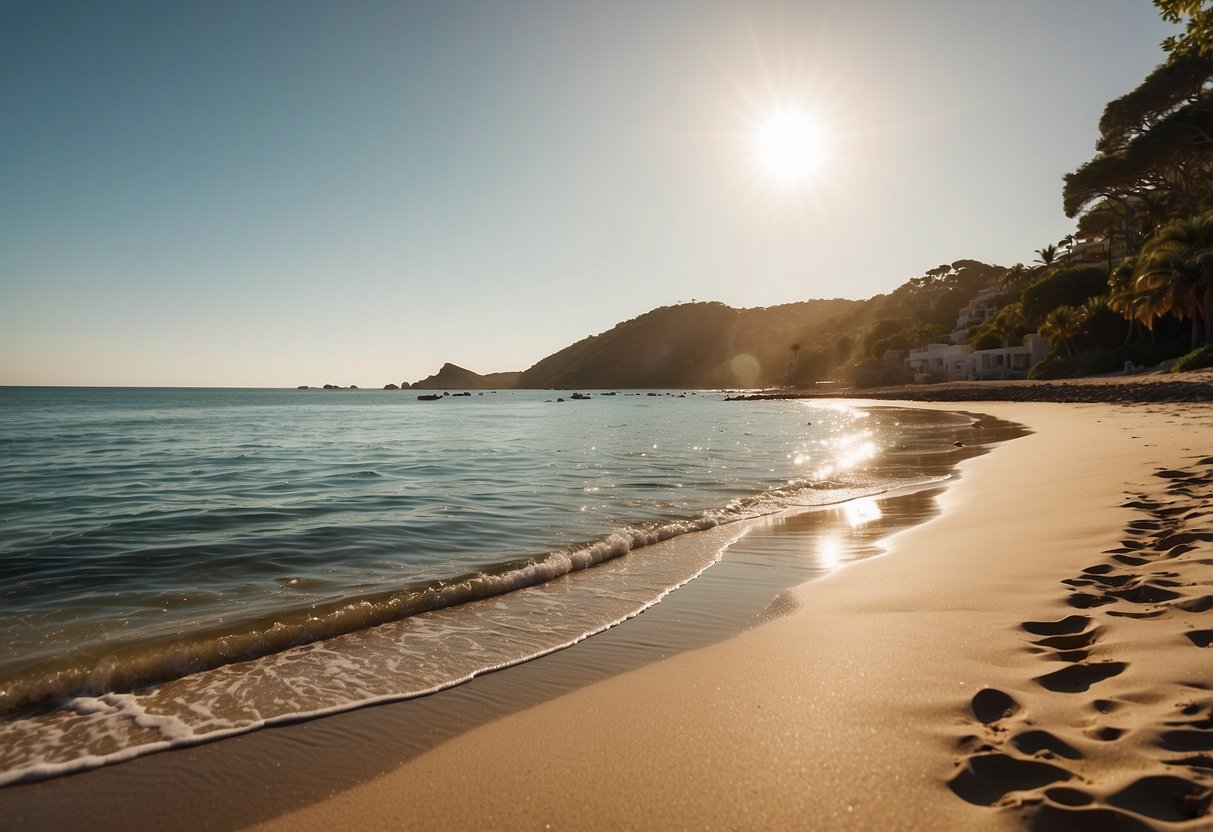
[[907, 691], [853, 708], [1137, 388], [727, 599]]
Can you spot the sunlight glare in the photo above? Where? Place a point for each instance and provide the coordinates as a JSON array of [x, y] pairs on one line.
[[860, 512], [829, 552], [789, 146]]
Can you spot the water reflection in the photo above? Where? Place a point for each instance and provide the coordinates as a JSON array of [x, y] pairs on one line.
[[829, 552], [861, 511]]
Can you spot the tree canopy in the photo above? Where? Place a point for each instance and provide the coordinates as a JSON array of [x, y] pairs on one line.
[[1155, 150], [1197, 17]]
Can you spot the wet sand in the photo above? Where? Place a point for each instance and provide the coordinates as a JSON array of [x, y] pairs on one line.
[[246, 779], [1037, 656]]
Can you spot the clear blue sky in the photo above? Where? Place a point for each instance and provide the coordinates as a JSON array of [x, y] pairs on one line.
[[278, 193]]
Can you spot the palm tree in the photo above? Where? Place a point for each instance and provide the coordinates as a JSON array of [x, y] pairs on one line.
[[1008, 323], [1125, 300], [1045, 256], [1014, 277], [1061, 325], [1175, 273]]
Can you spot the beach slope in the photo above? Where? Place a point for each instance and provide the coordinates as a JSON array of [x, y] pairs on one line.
[[1036, 656]]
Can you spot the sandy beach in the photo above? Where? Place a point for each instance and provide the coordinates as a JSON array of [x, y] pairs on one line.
[[1036, 654], [1034, 657]]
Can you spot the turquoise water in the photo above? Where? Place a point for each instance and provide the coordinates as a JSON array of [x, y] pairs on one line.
[[183, 564]]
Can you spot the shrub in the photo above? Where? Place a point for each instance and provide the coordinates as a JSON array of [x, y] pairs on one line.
[[1198, 359], [1055, 367], [879, 330], [873, 373], [985, 340]]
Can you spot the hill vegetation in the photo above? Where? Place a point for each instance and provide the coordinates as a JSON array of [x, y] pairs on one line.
[[689, 345]]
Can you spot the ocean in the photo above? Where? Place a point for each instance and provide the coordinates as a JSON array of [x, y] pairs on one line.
[[180, 565]]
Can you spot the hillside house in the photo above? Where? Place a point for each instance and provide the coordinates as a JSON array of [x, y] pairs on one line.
[[960, 362]]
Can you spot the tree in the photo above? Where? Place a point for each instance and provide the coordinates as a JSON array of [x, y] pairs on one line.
[[1155, 150], [1175, 274], [1060, 326], [877, 333], [1172, 85], [1065, 286], [1014, 278], [920, 333], [1124, 299], [1008, 324], [1045, 256], [1103, 326], [1197, 17]]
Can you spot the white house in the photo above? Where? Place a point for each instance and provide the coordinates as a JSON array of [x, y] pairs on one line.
[[983, 305], [960, 362]]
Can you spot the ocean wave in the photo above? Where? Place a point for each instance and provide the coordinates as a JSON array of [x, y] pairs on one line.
[[109, 668]]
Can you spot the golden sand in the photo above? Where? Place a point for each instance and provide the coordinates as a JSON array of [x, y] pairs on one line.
[[1035, 655]]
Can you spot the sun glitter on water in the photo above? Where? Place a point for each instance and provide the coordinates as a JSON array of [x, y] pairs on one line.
[[790, 147]]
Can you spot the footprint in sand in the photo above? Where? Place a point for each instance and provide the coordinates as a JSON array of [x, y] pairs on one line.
[[1050, 818], [1104, 579], [1130, 560], [1186, 739], [1077, 678], [1022, 765], [990, 705], [1164, 797], [1073, 642], [1201, 638], [1066, 626], [1035, 742], [1106, 733], [1086, 601], [1146, 593], [1201, 604], [984, 779], [1140, 615]]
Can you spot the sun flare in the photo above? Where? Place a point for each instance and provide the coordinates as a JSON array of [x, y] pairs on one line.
[[790, 147]]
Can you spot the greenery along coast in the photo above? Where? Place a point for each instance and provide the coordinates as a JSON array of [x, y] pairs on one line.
[[1131, 287]]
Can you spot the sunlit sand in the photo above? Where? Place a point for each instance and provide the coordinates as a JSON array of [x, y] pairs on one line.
[[1036, 651]]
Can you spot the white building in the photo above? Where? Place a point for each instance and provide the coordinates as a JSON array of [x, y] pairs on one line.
[[960, 362], [983, 305]]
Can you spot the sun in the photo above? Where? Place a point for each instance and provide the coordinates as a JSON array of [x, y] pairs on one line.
[[790, 147]]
